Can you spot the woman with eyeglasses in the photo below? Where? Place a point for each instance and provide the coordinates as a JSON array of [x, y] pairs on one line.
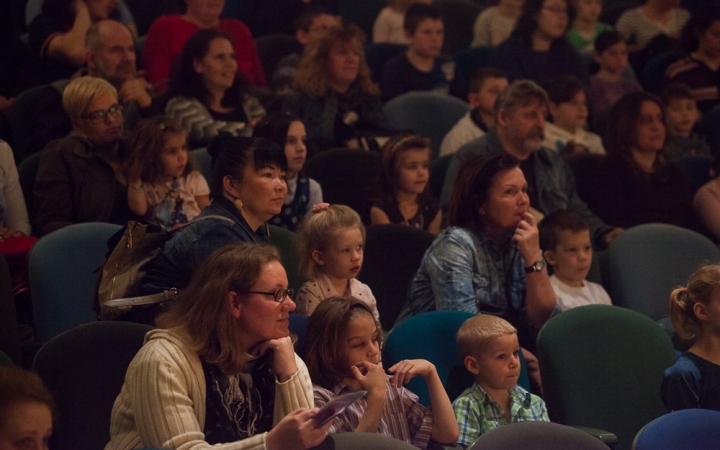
[[537, 48], [80, 177], [221, 368]]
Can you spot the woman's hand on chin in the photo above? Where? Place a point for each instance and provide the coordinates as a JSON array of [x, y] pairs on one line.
[[528, 238], [297, 431], [283, 358]]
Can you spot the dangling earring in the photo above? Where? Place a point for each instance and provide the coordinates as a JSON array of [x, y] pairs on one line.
[[238, 204]]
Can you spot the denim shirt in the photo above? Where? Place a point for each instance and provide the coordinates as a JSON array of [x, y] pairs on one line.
[[554, 180], [194, 243]]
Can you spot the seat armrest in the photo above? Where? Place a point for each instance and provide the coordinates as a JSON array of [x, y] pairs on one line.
[[606, 437]]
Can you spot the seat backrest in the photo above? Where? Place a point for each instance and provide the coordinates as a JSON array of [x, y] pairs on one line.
[[362, 441], [392, 256], [688, 428], [425, 113], [696, 170], [84, 368], [9, 335], [378, 54], [602, 367], [27, 172], [582, 166], [361, 13], [272, 48], [655, 71], [431, 336], [438, 170], [298, 326], [203, 161], [710, 125], [284, 240], [469, 60], [347, 177], [62, 270], [459, 18], [646, 262], [22, 111], [543, 435]]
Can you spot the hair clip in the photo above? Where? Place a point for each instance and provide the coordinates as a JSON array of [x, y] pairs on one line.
[[684, 289], [321, 207]]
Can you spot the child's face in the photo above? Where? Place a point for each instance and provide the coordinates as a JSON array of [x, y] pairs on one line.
[[681, 114], [363, 340], [499, 364], [427, 40], [572, 115], [572, 258], [412, 170], [709, 41], [485, 98], [295, 150], [174, 155], [588, 10], [614, 59], [344, 256]]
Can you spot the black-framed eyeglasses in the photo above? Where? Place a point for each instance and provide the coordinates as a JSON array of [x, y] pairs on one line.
[[279, 295], [100, 115]]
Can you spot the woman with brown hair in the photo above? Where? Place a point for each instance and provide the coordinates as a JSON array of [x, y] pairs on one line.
[[221, 368], [25, 410], [335, 96]]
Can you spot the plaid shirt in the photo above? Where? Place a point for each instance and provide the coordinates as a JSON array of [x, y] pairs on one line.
[[477, 413], [402, 417]]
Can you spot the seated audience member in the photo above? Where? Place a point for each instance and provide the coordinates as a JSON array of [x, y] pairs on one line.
[[636, 184], [343, 347], [80, 177], [537, 48], [404, 197], [565, 240], [485, 85], [587, 26], [490, 351], [609, 84], [247, 189], [57, 35], [681, 116], [520, 121], [110, 55], [699, 67], [488, 260], [692, 382], [335, 97], [208, 92], [388, 25], [640, 25], [421, 68], [311, 24], [568, 108], [26, 408], [303, 193], [168, 34], [706, 202], [221, 368], [496, 23]]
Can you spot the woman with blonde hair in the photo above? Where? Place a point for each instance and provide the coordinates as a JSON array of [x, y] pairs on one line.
[[221, 368], [335, 97]]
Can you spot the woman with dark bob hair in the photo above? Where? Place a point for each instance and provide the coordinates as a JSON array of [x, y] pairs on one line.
[[335, 96], [537, 48], [247, 188], [636, 184], [221, 370], [488, 260], [209, 94]]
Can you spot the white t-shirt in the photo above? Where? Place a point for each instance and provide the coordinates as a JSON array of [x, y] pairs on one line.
[[389, 27], [639, 29], [556, 138], [570, 297], [491, 28]]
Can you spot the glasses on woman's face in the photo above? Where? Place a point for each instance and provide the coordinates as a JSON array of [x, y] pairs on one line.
[[279, 295], [101, 115]]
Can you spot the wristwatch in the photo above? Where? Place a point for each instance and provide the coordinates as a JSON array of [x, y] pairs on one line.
[[537, 266]]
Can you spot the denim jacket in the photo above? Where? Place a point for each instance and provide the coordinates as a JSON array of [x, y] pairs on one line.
[[194, 243], [555, 182]]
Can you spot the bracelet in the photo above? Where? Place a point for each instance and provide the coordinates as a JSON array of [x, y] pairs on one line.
[[138, 188]]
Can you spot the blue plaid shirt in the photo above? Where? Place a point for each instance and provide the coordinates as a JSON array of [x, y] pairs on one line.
[[477, 413]]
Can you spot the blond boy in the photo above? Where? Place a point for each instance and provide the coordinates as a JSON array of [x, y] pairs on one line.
[[491, 352]]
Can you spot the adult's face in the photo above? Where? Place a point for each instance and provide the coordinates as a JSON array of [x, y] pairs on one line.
[[650, 128], [343, 63], [262, 318], [709, 41], [523, 127], [218, 67], [262, 193], [115, 58], [205, 11], [552, 20], [26, 426], [102, 120], [100, 9], [319, 26], [507, 201]]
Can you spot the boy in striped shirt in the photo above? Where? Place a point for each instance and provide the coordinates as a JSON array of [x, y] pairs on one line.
[[490, 351]]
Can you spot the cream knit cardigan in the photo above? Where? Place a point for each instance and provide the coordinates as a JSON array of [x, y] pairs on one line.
[[162, 402]]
